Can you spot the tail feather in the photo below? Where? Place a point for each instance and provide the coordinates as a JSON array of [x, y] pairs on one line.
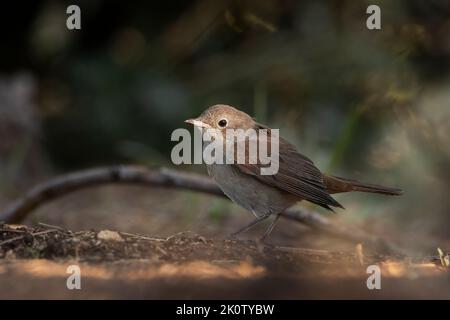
[[337, 184]]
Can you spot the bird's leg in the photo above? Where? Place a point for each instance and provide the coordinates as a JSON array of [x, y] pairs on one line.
[[270, 228], [250, 225]]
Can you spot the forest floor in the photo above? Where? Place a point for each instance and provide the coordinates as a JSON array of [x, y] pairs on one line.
[[34, 262]]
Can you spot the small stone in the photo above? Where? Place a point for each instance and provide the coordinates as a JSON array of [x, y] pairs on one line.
[[75, 240], [202, 239], [109, 235]]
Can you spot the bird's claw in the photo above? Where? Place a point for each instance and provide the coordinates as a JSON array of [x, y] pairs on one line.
[[262, 244]]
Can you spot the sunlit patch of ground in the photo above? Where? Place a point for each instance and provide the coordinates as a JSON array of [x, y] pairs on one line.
[[133, 270], [34, 264]]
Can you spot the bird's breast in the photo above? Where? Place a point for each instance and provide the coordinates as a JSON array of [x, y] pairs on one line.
[[249, 192]]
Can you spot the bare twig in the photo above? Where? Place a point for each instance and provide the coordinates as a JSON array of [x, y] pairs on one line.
[[11, 240], [12, 231], [137, 236], [23, 236], [305, 251], [65, 184], [40, 233], [163, 177], [49, 226]]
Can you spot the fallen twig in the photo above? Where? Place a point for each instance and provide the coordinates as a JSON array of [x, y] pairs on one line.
[[11, 240], [46, 225], [40, 233], [23, 236], [163, 177], [12, 231], [136, 236]]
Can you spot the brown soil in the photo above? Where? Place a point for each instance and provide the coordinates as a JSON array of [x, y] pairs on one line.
[[34, 261]]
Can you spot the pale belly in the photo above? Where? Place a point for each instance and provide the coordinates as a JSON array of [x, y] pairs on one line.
[[248, 192]]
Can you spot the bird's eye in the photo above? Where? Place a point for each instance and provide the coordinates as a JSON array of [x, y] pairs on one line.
[[223, 123]]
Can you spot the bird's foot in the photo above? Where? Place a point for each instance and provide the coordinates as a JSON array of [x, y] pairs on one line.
[[262, 244]]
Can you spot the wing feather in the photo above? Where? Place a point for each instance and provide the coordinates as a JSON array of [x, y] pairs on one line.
[[297, 175]]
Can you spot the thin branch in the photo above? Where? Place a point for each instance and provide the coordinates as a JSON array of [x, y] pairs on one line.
[[163, 177], [46, 225], [23, 236], [65, 184]]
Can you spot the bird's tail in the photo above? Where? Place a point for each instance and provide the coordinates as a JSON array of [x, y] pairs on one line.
[[338, 184]]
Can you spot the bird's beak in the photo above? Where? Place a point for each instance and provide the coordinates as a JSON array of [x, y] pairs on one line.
[[198, 123]]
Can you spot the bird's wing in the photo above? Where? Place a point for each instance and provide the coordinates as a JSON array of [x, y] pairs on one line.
[[297, 175]]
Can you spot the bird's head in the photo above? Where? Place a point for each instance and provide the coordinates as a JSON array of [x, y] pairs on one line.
[[222, 117]]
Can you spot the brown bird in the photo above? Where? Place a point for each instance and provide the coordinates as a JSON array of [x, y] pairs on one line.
[[265, 195]]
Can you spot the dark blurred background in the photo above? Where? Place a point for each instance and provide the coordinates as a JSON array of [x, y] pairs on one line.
[[369, 104]]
